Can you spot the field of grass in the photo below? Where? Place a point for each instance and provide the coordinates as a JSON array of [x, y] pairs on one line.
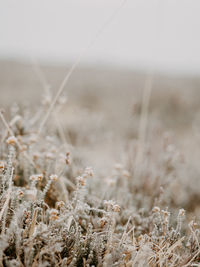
[[113, 176]]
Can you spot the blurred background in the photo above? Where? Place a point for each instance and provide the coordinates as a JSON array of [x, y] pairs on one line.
[[163, 34]]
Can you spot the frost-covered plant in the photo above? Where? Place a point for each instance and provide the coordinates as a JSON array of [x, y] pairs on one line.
[[56, 211]]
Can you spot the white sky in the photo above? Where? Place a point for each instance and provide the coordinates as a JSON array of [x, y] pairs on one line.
[[160, 33]]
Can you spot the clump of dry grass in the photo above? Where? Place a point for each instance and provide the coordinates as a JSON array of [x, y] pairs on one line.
[[54, 211]]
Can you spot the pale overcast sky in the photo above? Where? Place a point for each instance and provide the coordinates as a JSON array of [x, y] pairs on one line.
[[160, 33]]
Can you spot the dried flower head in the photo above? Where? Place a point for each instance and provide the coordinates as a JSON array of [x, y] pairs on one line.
[[103, 222], [32, 178], [53, 214], [20, 194], [111, 206], [156, 210], [109, 203], [89, 172], [39, 177], [60, 204], [2, 165], [36, 156], [67, 159], [116, 208], [36, 177], [81, 180], [12, 140], [165, 213], [53, 177], [193, 225], [166, 216], [181, 213]]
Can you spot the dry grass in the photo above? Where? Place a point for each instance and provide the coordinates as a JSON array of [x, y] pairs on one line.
[[139, 203]]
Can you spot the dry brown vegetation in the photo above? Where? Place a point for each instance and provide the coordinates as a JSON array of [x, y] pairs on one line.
[[107, 182]]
